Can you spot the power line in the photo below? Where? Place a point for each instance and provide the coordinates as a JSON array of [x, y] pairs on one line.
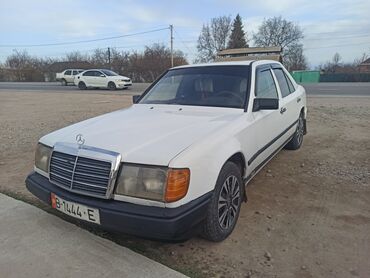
[[338, 38], [84, 41], [338, 45]]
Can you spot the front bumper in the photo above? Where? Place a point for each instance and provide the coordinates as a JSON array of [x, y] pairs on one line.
[[124, 84], [145, 221]]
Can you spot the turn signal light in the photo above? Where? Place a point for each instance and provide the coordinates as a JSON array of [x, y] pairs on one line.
[[177, 184]]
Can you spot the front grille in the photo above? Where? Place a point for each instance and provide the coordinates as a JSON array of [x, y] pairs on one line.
[[80, 174]]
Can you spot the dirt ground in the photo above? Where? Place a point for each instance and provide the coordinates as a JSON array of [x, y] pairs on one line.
[[308, 213]]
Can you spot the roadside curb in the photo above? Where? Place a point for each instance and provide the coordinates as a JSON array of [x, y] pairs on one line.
[[34, 243]]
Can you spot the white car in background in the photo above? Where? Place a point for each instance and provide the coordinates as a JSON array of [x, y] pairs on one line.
[[101, 78], [67, 76]]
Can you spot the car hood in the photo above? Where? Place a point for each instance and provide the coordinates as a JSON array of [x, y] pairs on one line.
[[118, 77], [147, 134]]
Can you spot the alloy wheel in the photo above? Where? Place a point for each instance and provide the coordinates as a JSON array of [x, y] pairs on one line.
[[228, 202]]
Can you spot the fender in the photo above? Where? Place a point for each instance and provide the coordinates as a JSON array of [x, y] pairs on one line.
[[211, 152]]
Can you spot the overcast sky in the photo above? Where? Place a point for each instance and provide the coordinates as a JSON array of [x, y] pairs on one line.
[[329, 26]]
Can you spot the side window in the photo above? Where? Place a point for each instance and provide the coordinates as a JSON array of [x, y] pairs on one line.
[[68, 72], [290, 84], [88, 73], [98, 73], [75, 72], [283, 83], [265, 85]]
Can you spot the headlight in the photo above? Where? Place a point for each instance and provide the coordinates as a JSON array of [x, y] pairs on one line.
[[154, 183], [42, 157]]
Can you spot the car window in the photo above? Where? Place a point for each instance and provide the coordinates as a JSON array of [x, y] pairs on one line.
[[109, 73], [68, 72], [75, 72], [265, 85], [98, 73], [218, 86], [290, 84], [89, 73], [282, 81]]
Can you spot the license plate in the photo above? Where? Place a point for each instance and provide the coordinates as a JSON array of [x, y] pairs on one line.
[[75, 210]]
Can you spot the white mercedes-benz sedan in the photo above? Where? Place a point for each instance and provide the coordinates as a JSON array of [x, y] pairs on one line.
[[177, 161], [101, 78]]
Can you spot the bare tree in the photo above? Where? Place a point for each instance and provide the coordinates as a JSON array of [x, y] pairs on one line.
[[23, 67], [294, 58], [213, 38], [75, 56], [336, 59], [277, 31], [333, 65], [358, 61]]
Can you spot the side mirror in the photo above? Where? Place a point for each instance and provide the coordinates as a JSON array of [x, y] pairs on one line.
[[102, 75], [265, 104], [135, 98]]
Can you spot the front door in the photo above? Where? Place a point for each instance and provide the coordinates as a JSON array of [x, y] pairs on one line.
[[267, 125]]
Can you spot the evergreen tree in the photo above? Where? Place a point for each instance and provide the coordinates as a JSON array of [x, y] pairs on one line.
[[237, 37]]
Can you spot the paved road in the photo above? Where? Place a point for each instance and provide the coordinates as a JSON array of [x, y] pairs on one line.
[[324, 89], [338, 89], [34, 243], [49, 87]]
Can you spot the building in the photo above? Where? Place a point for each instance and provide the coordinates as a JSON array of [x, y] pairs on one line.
[[364, 67]]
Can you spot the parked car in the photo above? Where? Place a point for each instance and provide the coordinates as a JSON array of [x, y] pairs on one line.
[[177, 161], [102, 78], [67, 76]]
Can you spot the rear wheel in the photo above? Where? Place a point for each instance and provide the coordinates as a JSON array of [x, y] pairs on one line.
[[296, 142], [63, 82], [82, 85], [224, 208], [111, 86]]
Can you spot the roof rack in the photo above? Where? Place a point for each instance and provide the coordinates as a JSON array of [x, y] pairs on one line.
[[250, 53]]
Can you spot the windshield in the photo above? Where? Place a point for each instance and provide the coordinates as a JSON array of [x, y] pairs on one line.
[[109, 73], [220, 86]]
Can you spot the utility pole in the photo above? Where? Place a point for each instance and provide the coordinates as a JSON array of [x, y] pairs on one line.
[[109, 58], [171, 29]]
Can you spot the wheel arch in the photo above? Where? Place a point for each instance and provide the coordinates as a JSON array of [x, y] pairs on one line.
[[239, 159]]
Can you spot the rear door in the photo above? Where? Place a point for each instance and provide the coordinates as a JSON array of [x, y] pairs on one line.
[[289, 109], [68, 76]]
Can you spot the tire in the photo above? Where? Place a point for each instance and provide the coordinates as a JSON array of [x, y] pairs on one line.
[[112, 86], [296, 142], [223, 210], [63, 82], [82, 85]]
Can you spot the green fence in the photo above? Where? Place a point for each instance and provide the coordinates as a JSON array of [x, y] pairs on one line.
[[312, 76], [345, 77]]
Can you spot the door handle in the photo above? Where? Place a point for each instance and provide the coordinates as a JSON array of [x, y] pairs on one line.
[[298, 99], [282, 110]]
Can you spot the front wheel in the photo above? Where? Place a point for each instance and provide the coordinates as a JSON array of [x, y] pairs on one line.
[[296, 142], [224, 208], [111, 86], [82, 85]]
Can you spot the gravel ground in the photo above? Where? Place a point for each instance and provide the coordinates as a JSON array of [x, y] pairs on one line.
[[308, 213]]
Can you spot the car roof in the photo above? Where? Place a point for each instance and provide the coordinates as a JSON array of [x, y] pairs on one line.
[[228, 63]]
